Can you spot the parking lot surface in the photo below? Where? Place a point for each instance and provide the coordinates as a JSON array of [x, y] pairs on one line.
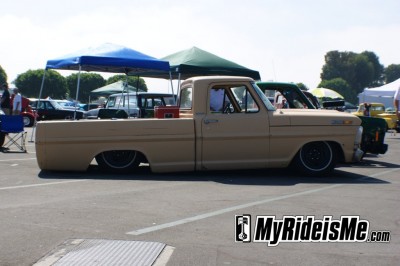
[[192, 215]]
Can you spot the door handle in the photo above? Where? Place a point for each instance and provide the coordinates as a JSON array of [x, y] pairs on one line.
[[208, 121]]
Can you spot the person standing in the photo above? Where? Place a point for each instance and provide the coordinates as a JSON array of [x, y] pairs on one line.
[[5, 100], [17, 102], [397, 102]]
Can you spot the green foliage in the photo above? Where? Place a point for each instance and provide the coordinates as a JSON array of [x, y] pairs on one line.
[[363, 73], [358, 70], [378, 76], [302, 86], [87, 83], [29, 83], [392, 73], [342, 87], [132, 80], [3, 76]]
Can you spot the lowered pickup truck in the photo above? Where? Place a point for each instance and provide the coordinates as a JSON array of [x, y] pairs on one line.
[[224, 123]]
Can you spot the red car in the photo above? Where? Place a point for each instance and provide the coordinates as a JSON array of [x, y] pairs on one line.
[[27, 113]]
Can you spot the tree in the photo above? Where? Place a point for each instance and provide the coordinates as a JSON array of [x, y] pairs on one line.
[[392, 73], [29, 83], [132, 80], [342, 87], [378, 68], [358, 70], [87, 83], [363, 73], [302, 86], [3, 76]]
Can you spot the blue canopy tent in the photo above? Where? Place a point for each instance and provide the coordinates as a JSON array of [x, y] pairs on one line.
[[107, 58]]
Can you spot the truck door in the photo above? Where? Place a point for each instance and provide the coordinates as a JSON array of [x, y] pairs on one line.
[[234, 130]]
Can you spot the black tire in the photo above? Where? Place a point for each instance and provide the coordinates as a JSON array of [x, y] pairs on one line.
[[316, 159], [118, 161], [28, 121]]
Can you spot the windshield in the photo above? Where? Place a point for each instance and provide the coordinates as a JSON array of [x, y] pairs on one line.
[[264, 98], [56, 105], [116, 101]]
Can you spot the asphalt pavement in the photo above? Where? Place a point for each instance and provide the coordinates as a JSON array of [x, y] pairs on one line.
[[190, 217]]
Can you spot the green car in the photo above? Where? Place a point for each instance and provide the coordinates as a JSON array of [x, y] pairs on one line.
[[289, 95]]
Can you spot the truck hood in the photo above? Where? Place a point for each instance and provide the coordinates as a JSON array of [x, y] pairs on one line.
[[312, 117]]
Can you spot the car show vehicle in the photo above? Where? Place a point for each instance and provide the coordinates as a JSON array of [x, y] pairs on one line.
[[140, 104], [66, 104], [244, 132], [88, 106], [50, 110], [29, 116], [373, 136], [378, 110]]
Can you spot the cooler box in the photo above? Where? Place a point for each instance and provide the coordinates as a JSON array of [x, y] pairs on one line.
[[166, 112]]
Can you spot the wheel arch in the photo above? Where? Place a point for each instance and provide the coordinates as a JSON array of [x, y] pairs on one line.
[[141, 153], [337, 155]]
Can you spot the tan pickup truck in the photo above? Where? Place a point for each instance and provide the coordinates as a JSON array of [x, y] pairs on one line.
[[224, 123]]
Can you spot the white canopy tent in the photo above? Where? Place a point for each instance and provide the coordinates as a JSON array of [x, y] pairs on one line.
[[383, 94]]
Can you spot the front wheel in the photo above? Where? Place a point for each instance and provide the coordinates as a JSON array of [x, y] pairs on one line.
[[315, 159], [118, 161]]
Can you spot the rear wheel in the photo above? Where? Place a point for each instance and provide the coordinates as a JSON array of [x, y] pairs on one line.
[[316, 158], [118, 161], [28, 121]]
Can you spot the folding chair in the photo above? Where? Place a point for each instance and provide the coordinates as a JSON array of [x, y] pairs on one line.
[[12, 126]]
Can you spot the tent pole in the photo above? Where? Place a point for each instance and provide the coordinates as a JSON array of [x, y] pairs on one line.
[[179, 85], [37, 105], [172, 86], [126, 85], [137, 98], [77, 89]]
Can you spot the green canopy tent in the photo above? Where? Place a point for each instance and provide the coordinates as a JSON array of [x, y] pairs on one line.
[[196, 62], [116, 87]]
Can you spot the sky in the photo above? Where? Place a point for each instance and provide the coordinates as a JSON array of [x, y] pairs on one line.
[[285, 40]]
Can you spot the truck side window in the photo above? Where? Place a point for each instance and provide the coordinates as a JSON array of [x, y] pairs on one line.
[[248, 103], [218, 99], [185, 99], [245, 100]]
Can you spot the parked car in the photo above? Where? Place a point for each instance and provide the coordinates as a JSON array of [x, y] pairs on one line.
[[373, 135], [29, 116], [88, 106], [26, 112], [67, 104], [50, 110], [139, 104], [379, 110]]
